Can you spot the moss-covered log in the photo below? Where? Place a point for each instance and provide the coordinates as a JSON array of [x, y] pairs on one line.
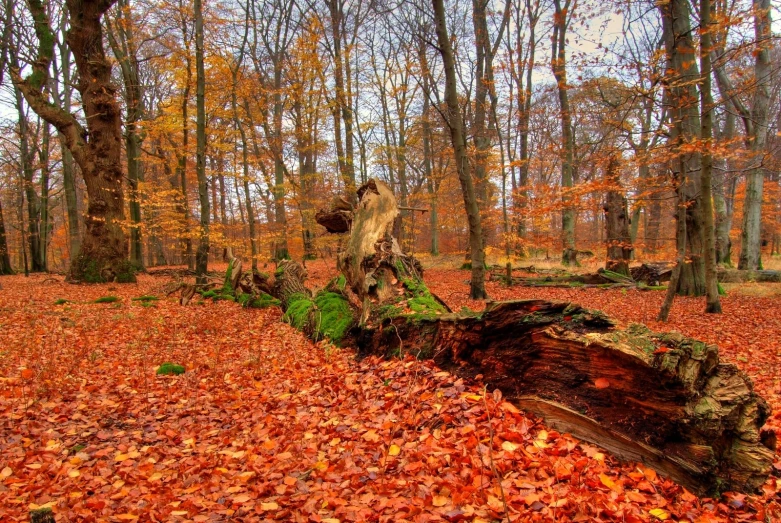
[[662, 399]]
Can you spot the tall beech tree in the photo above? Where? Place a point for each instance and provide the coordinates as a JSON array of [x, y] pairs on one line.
[[713, 304], [681, 96], [96, 146]]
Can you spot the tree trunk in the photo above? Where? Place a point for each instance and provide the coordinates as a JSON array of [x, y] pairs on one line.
[[724, 194], [68, 164], [122, 40], [45, 222], [619, 243], [681, 95], [5, 257], [659, 398], [713, 304], [431, 184], [33, 201], [456, 124], [202, 254], [558, 64], [187, 245], [750, 236], [97, 149]]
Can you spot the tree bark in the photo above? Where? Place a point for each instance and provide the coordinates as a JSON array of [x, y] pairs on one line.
[[750, 236], [122, 40]]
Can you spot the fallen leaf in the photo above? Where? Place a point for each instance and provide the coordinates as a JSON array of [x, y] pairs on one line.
[[440, 501], [660, 514]]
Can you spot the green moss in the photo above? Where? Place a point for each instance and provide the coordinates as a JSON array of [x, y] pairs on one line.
[[258, 302], [299, 306], [168, 368], [388, 311], [92, 273], [422, 301], [61, 301], [426, 304], [227, 289], [722, 292], [146, 298], [645, 287], [107, 299], [126, 272], [335, 316], [210, 294]]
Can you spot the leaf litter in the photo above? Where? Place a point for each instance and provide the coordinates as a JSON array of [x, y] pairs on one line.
[[266, 426]]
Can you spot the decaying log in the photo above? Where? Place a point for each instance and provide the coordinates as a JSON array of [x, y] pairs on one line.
[[663, 399], [739, 276], [684, 412], [652, 273]]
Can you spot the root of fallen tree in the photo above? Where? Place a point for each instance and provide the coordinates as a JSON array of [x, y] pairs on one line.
[[660, 398]]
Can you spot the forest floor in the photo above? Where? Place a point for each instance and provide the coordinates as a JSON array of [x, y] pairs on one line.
[[265, 425]]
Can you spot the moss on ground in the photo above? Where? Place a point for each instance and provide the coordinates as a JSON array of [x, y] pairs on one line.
[[146, 298], [107, 299], [256, 302], [169, 368]]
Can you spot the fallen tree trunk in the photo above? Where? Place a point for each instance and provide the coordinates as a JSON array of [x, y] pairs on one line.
[[662, 399], [741, 276]]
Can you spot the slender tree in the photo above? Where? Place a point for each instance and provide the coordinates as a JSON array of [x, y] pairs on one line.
[[713, 304], [202, 254], [756, 134], [561, 20], [456, 123]]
